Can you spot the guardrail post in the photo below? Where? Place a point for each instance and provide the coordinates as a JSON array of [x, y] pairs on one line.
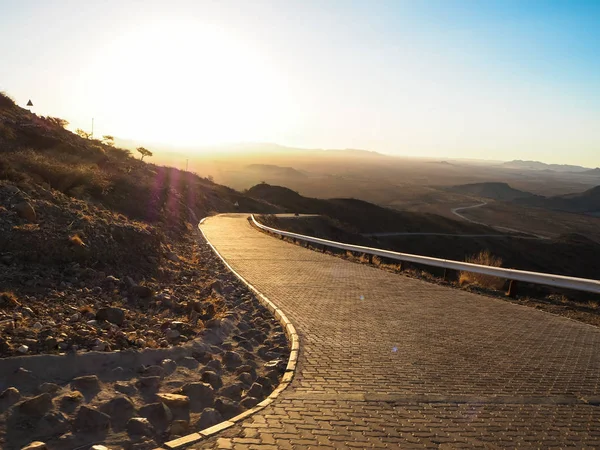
[[448, 274], [513, 289], [323, 249], [370, 259]]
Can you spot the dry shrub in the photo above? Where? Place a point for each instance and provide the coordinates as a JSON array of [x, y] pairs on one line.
[[6, 101], [8, 299], [484, 258]]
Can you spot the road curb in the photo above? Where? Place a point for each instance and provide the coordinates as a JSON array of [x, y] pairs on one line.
[[290, 332]]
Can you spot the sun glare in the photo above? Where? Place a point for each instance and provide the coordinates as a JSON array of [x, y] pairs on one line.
[[186, 83]]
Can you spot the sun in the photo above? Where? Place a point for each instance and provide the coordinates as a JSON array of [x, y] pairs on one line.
[[186, 82]]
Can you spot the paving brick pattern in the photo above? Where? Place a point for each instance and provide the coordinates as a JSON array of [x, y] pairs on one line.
[[387, 361]]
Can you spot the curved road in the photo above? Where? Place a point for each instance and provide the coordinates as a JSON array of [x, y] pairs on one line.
[[390, 361]]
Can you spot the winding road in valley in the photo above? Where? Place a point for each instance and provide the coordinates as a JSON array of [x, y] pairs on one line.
[[388, 361]]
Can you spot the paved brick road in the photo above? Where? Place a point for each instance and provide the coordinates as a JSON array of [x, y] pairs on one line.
[[390, 361]]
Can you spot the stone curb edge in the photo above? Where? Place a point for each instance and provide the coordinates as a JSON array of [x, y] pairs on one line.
[[290, 332]]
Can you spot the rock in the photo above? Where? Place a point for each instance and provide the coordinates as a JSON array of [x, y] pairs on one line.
[[275, 364], [179, 428], [168, 365], [154, 371], [75, 317], [112, 315], [50, 388], [208, 418], [249, 402], [171, 256], [214, 365], [35, 406], [233, 391], [25, 211], [9, 397], [159, 415], [52, 424], [265, 383], [228, 408], [189, 362], [120, 409], [273, 376], [245, 378], [255, 390], [28, 311], [213, 379], [174, 401], [36, 445], [140, 426], [112, 279], [141, 291], [37, 326], [68, 401], [232, 359], [149, 383], [91, 420], [125, 388], [23, 349], [201, 395], [87, 383], [99, 447], [171, 334], [50, 343]]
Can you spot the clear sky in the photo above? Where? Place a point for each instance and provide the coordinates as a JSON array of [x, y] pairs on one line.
[[472, 79]]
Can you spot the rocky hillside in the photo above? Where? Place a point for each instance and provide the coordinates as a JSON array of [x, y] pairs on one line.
[[360, 216]]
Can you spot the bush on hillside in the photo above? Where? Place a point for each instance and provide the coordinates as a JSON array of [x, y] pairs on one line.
[[6, 101], [484, 258]]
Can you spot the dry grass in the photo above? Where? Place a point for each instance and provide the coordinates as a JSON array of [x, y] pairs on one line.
[[484, 258], [8, 299]]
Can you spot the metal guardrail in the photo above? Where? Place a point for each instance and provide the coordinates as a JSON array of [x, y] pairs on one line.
[[514, 275]]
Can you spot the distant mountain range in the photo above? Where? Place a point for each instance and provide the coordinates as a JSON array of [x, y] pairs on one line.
[[537, 165]]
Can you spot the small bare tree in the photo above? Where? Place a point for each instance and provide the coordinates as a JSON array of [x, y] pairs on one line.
[[144, 152]]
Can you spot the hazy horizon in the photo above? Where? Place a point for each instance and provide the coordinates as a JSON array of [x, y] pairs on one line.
[[459, 79]]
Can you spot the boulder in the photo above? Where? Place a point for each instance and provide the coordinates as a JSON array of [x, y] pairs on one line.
[[159, 415], [232, 359], [52, 423], [168, 365], [249, 402], [255, 390], [213, 379], [125, 388], [148, 383], [139, 426], [9, 397], [233, 391], [25, 211], [245, 378], [70, 400], [141, 291], [174, 401], [179, 428], [50, 388], [88, 383], [189, 362], [214, 365], [120, 409], [154, 371], [112, 315], [35, 406], [201, 395], [228, 408], [91, 420], [208, 418]]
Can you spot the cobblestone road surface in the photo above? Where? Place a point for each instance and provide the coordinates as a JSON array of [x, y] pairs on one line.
[[387, 361]]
